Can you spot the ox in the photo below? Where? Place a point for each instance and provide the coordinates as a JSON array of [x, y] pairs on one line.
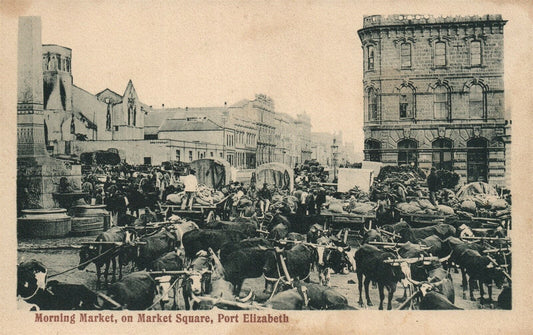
[[196, 240], [298, 260], [481, 269], [370, 263], [106, 254], [154, 246], [136, 291]]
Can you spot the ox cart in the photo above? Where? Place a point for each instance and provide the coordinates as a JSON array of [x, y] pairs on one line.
[[201, 213], [354, 222], [419, 219]]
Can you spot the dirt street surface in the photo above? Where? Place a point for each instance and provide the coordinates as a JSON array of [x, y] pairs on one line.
[[59, 260]]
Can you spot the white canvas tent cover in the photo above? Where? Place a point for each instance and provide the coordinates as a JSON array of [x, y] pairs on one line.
[[214, 173], [348, 178], [277, 174]]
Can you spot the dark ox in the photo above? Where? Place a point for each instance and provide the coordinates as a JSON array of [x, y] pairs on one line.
[[370, 263], [107, 254], [196, 240], [481, 269], [244, 259], [153, 247], [136, 291], [457, 247], [298, 260], [415, 234]]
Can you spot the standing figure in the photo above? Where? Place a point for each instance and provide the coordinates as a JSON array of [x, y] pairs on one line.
[[265, 196], [433, 186], [191, 187]]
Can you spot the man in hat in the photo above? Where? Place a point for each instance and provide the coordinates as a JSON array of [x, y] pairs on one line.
[[191, 187]]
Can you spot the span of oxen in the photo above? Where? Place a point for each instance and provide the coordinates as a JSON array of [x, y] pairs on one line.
[[106, 254], [370, 263]]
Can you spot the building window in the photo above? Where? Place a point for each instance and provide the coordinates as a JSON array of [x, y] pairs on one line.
[[442, 154], [211, 153], [372, 104], [147, 160], [440, 102], [406, 102], [475, 53], [407, 153], [190, 155], [476, 102], [406, 55], [373, 150], [370, 58], [178, 155], [221, 155], [477, 160], [440, 54]]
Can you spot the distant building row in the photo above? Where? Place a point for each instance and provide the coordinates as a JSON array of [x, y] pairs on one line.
[[247, 133]]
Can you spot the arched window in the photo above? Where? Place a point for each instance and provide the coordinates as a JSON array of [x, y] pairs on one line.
[[442, 154], [407, 153], [406, 102], [477, 160], [440, 54], [405, 55], [440, 102], [370, 58], [475, 53], [372, 104], [372, 150], [476, 105]]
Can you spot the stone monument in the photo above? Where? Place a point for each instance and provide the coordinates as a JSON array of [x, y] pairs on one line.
[[38, 174]]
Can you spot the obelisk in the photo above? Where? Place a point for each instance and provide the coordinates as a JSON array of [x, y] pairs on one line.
[[30, 118], [38, 174]]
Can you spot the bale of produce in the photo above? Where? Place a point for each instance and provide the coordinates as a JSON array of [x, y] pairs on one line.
[[469, 206], [498, 204], [175, 198], [363, 208], [336, 208], [446, 210]]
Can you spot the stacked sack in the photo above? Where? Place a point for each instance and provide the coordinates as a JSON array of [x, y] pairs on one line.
[[481, 200]]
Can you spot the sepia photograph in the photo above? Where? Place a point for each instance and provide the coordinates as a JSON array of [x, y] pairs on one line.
[[221, 165]]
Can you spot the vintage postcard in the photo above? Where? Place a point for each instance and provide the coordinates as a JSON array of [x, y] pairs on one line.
[[235, 167]]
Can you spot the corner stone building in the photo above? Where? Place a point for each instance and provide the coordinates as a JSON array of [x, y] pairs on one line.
[[434, 94]]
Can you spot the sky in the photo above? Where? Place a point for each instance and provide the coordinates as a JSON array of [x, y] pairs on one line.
[[305, 55]]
